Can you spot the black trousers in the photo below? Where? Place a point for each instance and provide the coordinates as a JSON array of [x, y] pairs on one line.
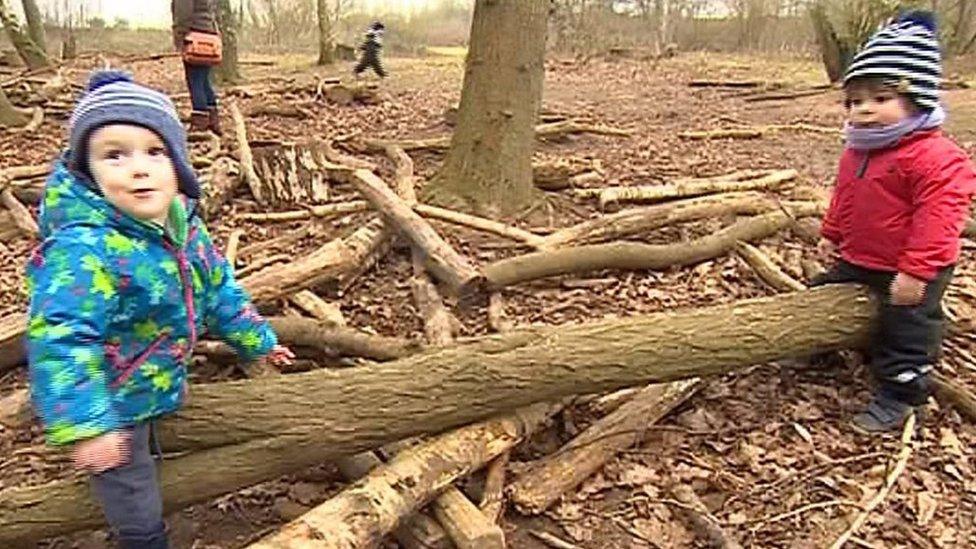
[[370, 60], [907, 340]]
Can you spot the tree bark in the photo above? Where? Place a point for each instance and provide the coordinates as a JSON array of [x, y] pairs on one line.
[[632, 255], [362, 514], [551, 477], [489, 165], [35, 24], [262, 428], [326, 40], [34, 57], [229, 71]]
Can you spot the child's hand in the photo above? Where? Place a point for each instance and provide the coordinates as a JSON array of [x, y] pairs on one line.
[[826, 247], [906, 290], [280, 356], [102, 453]]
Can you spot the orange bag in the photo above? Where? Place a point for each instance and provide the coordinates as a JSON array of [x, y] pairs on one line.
[[202, 48]]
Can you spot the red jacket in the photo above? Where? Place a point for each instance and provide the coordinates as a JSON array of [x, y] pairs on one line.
[[907, 209]]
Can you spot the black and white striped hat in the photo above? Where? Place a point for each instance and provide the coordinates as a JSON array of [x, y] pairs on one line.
[[905, 54]]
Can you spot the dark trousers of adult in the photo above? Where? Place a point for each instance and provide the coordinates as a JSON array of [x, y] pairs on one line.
[[202, 95], [907, 340], [131, 499]]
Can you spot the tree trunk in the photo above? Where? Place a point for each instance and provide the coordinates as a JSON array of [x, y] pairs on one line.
[[326, 42], [835, 52], [228, 71], [489, 165], [35, 24], [10, 115], [262, 428], [31, 53]]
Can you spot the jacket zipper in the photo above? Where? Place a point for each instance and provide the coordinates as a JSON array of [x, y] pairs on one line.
[[140, 359]]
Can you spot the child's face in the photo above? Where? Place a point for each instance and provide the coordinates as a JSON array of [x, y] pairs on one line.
[[875, 106], [132, 168]]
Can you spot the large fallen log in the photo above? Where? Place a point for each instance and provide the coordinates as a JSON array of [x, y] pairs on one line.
[[549, 478], [632, 255], [365, 512], [266, 427]]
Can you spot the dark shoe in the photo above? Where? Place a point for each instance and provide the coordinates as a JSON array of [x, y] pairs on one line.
[[884, 415], [157, 540], [214, 120], [199, 121]]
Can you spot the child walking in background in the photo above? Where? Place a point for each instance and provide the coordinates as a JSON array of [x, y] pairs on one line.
[[902, 198], [371, 51], [125, 280]]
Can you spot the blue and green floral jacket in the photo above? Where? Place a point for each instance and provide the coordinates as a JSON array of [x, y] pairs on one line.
[[116, 307]]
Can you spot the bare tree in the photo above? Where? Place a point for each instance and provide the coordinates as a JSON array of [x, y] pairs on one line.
[[326, 37], [35, 23], [31, 53], [229, 70]]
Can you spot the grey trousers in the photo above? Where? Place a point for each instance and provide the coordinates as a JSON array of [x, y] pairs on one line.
[[130, 496]]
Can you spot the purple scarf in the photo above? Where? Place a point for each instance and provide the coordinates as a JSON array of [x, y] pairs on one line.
[[872, 139]]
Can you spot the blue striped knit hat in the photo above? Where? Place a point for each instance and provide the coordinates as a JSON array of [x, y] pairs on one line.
[[904, 54], [112, 97]]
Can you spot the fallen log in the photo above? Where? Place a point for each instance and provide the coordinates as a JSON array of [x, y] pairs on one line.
[[221, 183], [341, 340], [420, 531], [549, 478], [635, 221], [632, 255], [362, 514], [21, 215], [319, 308], [263, 428], [766, 269], [248, 174], [431, 212], [493, 497], [13, 350], [439, 257], [466, 524], [757, 132], [689, 188], [320, 210], [334, 262]]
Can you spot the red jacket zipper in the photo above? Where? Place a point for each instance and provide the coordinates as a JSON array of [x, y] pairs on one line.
[[183, 264]]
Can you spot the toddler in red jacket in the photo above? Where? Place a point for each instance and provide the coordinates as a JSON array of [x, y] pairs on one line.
[[896, 215]]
